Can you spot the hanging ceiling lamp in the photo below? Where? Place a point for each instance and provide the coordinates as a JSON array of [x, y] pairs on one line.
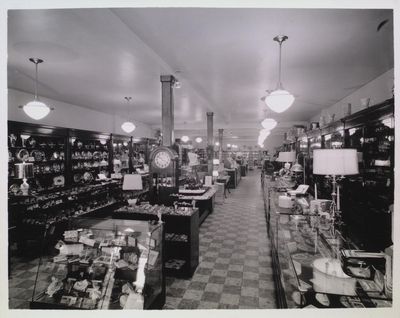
[[199, 140], [185, 138], [36, 109], [264, 133], [279, 100], [128, 126], [268, 123]]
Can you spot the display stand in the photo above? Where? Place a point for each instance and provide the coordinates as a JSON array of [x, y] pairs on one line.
[[181, 240], [103, 264]]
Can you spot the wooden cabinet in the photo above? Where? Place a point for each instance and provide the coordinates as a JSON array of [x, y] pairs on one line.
[[365, 197]]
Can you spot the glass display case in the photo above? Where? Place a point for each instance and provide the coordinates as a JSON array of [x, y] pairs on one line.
[[307, 254], [103, 264]]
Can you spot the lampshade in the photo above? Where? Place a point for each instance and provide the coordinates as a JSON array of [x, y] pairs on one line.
[[128, 127], [335, 162], [269, 123], [36, 109], [23, 170], [185, 138], [199, 140], [286, 156], [279, 100]]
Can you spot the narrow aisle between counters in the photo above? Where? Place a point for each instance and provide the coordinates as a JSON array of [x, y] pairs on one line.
[[235, 269]]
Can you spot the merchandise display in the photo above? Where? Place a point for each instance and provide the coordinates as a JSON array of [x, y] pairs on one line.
[[181, 233], [103, 264], [193, 194], [306, 249]]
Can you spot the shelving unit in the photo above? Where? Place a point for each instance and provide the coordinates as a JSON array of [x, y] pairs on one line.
[[177, 249], [66, 163], [365, 197]]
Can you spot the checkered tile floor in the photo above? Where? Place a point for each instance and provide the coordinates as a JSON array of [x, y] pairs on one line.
[[235, 268]]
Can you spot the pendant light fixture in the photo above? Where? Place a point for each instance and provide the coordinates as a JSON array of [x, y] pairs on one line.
[[36, 109], [268, 123], [199, 140], [185, 138], [128, 126], [279, 100]]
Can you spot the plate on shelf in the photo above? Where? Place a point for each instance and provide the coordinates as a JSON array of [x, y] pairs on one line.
[[23, 155], [96, 155], [77, 177], [14, 188], [87, 177], [59, 181], [38, 155]]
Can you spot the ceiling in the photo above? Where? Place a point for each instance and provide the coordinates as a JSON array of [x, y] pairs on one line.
[[224, 58]]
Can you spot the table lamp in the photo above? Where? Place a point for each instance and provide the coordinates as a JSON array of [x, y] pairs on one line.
[[287, 157], [334, 163], [24, 171], [297, 167]]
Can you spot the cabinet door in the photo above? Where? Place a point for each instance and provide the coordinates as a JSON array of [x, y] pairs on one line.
[[378, 158]]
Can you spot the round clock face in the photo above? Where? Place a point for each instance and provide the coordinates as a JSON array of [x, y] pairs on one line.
[[162, 159]]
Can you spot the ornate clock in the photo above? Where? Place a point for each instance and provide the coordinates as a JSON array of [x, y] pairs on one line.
[[164, 175], [163, 159]]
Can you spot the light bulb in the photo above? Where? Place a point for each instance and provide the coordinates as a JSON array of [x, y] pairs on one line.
[[128, 127], [269, 123], [36, 109], [279, 100], [185, 138]]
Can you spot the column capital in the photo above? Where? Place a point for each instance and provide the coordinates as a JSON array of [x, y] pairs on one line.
[[167, 78]]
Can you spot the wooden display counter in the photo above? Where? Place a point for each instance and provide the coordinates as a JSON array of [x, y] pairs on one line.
[[205, 202], [181, 239]]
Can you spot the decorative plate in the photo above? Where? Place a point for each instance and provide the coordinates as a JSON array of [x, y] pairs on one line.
[[96, 155], [59, 181], [14, 188], [77, 177], [38, 155], [23, 155], [87, 177]]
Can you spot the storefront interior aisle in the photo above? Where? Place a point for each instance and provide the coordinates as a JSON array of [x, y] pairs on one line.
[[235, 263], [235, 269]]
